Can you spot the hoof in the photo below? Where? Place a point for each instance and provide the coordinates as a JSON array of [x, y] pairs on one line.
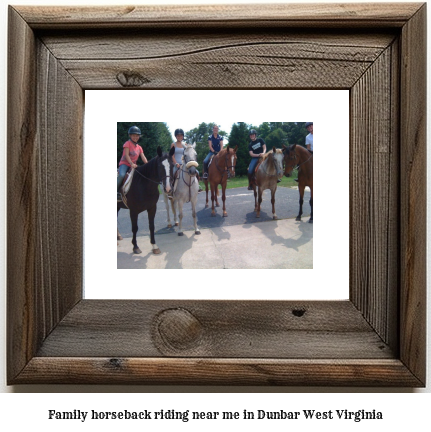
[[137, 251], [119, 237], [258, 215], [275, 217], [197, 232], [156, 251], [169, 225], [310, 221], [213, 214], [180, 233], [206, 205], [298, 219], [224, 214], [217, 205], [177, 223]]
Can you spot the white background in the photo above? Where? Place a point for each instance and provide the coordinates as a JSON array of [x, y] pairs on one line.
[[329, 278], [402, 410]]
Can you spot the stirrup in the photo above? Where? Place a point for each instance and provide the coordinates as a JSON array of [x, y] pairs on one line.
[[296, 180], [205, 176], [119, 197], [278, 180]]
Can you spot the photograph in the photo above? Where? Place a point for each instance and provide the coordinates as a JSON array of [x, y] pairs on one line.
[[210, 181]]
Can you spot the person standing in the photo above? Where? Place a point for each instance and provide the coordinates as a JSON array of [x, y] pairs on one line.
[[309, 137], [131, 152], [256, 148], [215, 144]]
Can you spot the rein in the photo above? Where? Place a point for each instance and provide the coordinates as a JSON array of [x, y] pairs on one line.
[[151, 180], [226, 170]]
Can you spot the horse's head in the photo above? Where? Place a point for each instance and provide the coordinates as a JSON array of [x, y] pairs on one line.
[[290, 159], [164, 162], [190, 159], [231, 160], [278, 156]]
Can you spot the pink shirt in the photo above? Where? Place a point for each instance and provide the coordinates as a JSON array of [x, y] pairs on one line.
[[134, 151]]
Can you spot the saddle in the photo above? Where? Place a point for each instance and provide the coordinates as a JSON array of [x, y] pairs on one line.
[[125, 187]]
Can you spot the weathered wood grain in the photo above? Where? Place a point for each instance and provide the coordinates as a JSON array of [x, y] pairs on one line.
[[21, 197], [225, 60], [413, 194], [227, 329], [377, 338], [374, 195], [253, 15], [135, 371]]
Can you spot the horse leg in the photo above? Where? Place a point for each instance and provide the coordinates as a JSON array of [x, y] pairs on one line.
[[311, 205], [223, 197], [118, 232], [194, 201], [134, 220], [259, 201], [301, 202], [216, 195], [274, 216], [213, 197], [165, 198], [180, 214], [255, 198], [151, 215], [206, 190], [174, 205]]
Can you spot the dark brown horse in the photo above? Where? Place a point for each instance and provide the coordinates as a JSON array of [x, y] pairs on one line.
[[222, 167], [296, 155], [144, 193]]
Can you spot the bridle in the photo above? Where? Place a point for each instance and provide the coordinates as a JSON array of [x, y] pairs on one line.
[[226, 170], [160, 182], [295, 157]]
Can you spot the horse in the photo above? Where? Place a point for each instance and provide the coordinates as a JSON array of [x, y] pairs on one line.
[[222, 167], [269, 170], [186, 189], [296, 155], [144, 193]]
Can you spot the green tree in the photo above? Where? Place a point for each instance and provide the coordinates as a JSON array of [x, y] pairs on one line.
[[239, 136], [276, 139]]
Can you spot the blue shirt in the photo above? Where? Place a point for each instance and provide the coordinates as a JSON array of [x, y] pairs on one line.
[[215, 141]]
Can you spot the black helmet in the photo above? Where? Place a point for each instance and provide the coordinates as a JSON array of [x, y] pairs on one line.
[[179, 132], [253, 132], [134, 130], [308, 124]]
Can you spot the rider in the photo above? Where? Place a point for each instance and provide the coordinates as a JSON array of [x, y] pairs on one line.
[[308, 138], [256, 148], [179, 152], [215, 144], [131, 152]]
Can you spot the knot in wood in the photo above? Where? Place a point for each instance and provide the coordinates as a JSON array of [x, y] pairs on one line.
[[178, 329], [131, 79]]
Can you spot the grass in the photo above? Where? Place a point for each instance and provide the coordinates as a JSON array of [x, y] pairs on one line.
[[237, 182]]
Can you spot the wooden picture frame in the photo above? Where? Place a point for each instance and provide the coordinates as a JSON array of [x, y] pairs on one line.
[[376, 338]]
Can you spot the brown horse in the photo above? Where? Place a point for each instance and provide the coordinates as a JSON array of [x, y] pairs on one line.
[[296, 155], [222, 167], [269, 170]]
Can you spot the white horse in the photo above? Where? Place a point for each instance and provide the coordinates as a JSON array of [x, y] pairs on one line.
[[185, 190]]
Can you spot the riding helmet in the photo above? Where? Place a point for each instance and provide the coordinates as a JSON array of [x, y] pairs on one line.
[[135, 130], [253, 132], [308, 124], [179, 132]]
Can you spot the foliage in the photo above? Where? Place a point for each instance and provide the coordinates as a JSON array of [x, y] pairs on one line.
[[199, 135], [154, 134], [239, 136]]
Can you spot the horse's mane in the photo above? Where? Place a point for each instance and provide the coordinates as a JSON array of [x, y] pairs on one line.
[[266, 155], [148, 168]]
